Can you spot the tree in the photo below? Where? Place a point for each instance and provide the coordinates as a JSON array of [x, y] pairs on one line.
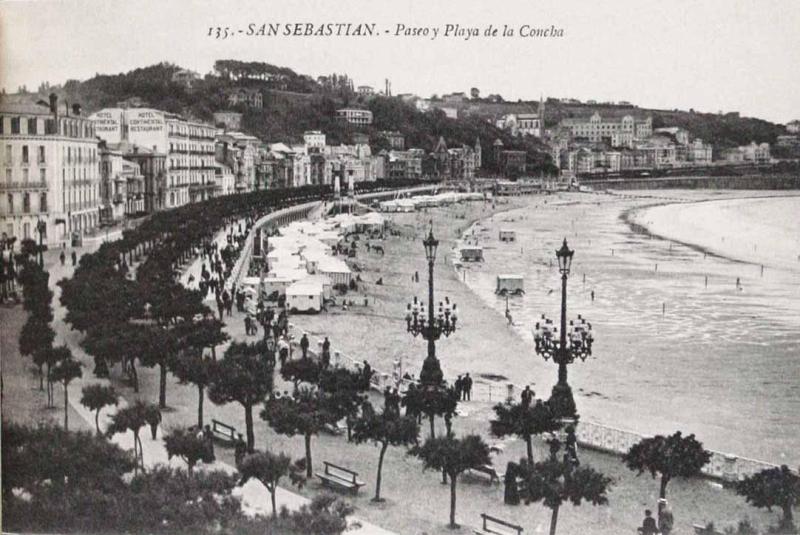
[[95, 397], [305, 414], [342, 392], [301, 371], [555, 482], [385, 430], [268, 468], [131, 418], [157, 347], [524, 420], [452, 456], [36, 336], [432, 402], [186, 445], [241, 376], [49, 356], [64, 372], [192, 367], [773, 487], [672, 456]]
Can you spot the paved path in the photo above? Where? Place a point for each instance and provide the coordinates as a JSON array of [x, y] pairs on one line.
[[254, 495]]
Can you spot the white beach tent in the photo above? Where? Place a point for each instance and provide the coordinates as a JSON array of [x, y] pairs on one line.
[[336, 270]]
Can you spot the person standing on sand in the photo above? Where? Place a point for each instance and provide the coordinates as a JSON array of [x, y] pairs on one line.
[[467, 388]]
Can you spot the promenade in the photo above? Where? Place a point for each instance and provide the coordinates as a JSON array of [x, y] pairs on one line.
[[416, 502]]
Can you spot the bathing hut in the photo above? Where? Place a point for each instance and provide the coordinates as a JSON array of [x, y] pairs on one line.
[[510, 284], [508, 235], [305, 296], [471, 253]]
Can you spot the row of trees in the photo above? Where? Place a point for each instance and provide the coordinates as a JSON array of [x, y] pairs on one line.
[[55, 480]]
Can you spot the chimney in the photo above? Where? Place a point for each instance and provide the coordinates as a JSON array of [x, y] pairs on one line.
[[53, 103], [76, 110]]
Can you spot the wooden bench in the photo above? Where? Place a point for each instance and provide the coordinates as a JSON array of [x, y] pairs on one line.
[[489, 470], [340, 477], [223, 432], [702, 530], [496, 526]]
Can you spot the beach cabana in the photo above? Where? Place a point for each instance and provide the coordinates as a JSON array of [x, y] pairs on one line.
[[336, 270], [508, 235], [510, 284], [305, 296], [471, 253]]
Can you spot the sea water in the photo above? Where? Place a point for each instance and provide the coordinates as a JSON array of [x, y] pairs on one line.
[[679, 345]]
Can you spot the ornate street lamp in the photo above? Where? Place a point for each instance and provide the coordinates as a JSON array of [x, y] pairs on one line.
[[575, 341], [433, 324]]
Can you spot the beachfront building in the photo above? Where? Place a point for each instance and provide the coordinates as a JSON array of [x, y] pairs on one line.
[[121, 185], [239, 152], [355, 116], [366, 90], [757, 153], [49, 168], [187, 144], [314, 139], [620, 133]]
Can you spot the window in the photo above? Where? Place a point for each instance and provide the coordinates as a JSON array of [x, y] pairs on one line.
[[10, 203], [9, 155], [50, 127], [2, 124], [15, 125], [41, 154], [24, 154], [26, 203], [43, 175], [43, 202], [25, 175], [32, 125], [9, 176]]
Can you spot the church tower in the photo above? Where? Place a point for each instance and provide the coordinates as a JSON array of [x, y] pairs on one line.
[[478, 156]]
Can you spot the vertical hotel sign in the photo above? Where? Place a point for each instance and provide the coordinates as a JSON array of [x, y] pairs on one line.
[[108, 124]]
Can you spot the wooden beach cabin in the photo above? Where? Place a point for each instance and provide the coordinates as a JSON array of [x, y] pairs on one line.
[[510, 284], [305, 296], [508, 235], [471, 253]]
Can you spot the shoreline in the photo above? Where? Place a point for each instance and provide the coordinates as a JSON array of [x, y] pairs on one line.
[[634, 218]]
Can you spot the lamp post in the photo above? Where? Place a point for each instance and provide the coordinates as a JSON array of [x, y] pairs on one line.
[[563, 351], [434, 325], [41, 227]]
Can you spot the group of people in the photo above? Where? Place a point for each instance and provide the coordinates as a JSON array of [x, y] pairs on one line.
[[665, 520], [463, 386]]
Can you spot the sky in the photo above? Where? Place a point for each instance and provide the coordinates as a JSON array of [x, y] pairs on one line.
[[709, 55]]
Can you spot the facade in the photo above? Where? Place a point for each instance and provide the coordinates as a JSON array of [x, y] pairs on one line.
[[239, 152], [396, 140], [246, 97], [314, 139], [50, 171], [187, 144], [366, 90], [513, 162], [355, 116], [681, 135], [793, 127], [620, 133], [121, 186], [230, 120], [186, 78]]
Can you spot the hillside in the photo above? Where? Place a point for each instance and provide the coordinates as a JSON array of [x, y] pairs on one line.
[[293, 103]]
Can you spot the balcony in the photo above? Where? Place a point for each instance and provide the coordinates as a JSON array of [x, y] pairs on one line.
[[12, 186]]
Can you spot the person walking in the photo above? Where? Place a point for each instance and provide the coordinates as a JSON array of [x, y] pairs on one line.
[[467, 388], [527, 395], [665, 518], [208, 437], [459, 386], [62, 257], [326, 352], [153, 418], [239, 449], [304, 345], [74, 258], [648, 526]]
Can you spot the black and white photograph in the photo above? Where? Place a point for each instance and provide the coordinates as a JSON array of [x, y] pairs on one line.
[[400, 267]]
